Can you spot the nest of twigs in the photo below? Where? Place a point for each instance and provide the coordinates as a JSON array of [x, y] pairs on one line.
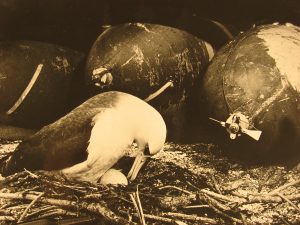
[[184, 184]]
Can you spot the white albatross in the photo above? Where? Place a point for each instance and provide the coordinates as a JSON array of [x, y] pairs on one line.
[[90, 139]]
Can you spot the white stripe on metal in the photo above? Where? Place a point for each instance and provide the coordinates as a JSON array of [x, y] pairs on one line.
[[27, 89]]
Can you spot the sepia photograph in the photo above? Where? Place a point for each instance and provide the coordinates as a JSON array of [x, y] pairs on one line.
[[147, 112]]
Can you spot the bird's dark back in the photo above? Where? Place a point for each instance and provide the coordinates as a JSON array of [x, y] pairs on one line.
[[64, 142]]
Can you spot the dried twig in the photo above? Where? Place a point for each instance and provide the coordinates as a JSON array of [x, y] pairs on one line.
[[269, 199], [29, 206], [56, 212], [218, 196], [73, 188], [284, 221], [159, 91], [5, 206], [136, 207], [225, 215], [31, 174], [7, 218], [157, 218], [42, 210], [161, 219], [61, 185], [194, 218], [177, 188], [284, 187], [288, 201], [27, 89], [17, 207], [93, 196], [241, 195], [243, 219], [140, 205], [216, 184], [196, 206], [216, 203], [31, 190], [10, 204], [91, 207], [192, 185]]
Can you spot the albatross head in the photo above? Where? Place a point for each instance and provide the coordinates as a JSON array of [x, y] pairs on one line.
[[150, 142]]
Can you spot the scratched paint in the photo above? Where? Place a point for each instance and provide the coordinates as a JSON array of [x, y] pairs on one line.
[[128, 61], [184, 60], [139, 56], [270, 100], [283, 43], [153, 78], [143, 26]]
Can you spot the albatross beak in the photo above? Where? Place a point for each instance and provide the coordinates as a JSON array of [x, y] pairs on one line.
[[139, 161]]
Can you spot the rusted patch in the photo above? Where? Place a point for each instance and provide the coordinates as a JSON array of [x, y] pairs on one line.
[[61, 64]]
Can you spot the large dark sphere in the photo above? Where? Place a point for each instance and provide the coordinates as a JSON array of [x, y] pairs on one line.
[[141, 58], [258, 74], [47, 99]]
